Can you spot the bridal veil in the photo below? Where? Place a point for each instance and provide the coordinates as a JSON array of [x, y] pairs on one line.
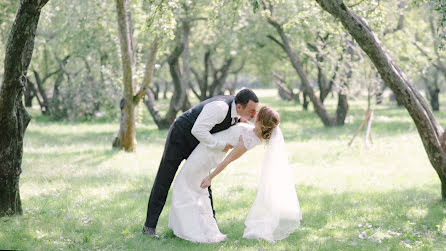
[[275, 213]]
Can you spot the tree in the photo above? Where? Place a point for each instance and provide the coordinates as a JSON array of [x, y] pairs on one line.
[[285, 44], [440, 6], [430, 131], [218, 74], [86, 81], [13, 116], [192, 35], [179, 99], [127, 131], [436, 61]]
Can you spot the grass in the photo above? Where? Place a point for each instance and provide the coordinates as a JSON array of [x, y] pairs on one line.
[[77, 193]]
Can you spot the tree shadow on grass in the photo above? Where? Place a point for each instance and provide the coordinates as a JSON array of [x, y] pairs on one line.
[[81, 158], [70, 138], [330, 219]]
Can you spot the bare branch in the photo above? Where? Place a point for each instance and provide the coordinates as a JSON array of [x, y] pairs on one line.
[[276, 41], [149, 71]]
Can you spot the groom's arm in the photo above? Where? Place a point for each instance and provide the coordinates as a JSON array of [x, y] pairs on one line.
[[213, 113]]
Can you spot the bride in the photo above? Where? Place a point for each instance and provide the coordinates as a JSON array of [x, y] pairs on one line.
[[275, 213]]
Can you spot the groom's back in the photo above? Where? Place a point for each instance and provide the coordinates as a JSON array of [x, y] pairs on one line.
[[187, 119]]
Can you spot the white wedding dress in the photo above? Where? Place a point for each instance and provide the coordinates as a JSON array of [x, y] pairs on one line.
[[191, 215]]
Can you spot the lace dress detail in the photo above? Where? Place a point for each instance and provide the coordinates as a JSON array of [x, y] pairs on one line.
[[191, 216], [250, 139]]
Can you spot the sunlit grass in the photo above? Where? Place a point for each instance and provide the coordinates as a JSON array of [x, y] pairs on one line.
[[78, 193]]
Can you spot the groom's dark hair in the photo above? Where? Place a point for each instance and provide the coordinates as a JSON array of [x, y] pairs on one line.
[[244, 96]]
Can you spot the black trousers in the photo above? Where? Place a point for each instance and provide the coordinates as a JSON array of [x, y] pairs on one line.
[[176, 150]]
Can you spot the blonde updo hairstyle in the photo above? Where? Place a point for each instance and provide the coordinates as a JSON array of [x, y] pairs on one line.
[[268, 119]]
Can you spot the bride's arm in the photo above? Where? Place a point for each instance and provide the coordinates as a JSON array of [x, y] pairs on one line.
[[238, 151]]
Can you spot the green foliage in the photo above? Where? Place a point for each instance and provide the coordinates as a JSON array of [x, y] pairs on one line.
[[255, 5], [8, 10], [440, 6], [77, 193], [83, 31], [87, 31]]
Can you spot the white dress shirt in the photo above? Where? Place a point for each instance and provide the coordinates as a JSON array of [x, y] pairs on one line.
[[212, 114]]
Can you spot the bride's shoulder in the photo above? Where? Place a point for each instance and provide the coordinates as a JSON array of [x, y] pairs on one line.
[[245, 125]]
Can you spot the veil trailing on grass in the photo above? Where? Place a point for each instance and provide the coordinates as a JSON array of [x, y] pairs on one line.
[[275, 213]]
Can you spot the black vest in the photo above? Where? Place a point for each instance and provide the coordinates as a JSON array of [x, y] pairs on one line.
[[186, 121]]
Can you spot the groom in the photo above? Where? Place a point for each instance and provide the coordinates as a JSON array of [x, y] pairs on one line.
[[187, 131]]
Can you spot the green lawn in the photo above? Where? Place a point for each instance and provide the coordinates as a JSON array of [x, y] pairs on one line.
[[78, 193]]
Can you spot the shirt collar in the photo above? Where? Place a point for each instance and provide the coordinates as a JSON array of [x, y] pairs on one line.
[[234, 110]]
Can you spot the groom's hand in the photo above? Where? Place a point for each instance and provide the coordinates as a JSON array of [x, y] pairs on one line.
[[206, 182], [227, 147]]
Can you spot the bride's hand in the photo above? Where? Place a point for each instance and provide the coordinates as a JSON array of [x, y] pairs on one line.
[[206, 182]]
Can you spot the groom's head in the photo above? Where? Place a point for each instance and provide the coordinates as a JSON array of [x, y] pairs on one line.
[[246, 103]]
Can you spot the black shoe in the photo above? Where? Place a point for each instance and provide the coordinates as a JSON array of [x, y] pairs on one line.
[[150, 231]]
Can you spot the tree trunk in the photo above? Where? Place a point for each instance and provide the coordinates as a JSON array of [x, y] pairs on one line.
[[306, 102], [434, 100], [44, 107], [286, 93], [219, 78], [31, 85], [186, 64], [430, 131], [179, 95], [433, 90], [203, 81], [232, 85], [127, 128], [29, 94], [379, 92], [155, 90], [342, 109], [166, 88], [13, 116], [322, 82], [161, 123], [204, 86], [297, 65]]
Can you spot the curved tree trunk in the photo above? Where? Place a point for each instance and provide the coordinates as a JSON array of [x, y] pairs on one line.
[[428, 127], [13, 116], [297, 65], [178, 99], [325, 85], [219, 75], [161, 123], [219, 78], [319, 107], [202, 81], [179, 94]]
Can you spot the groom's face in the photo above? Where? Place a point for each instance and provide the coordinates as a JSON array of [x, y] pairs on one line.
[[249, 111]]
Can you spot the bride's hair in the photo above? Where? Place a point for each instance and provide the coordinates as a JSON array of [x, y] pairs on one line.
[[268, 119]]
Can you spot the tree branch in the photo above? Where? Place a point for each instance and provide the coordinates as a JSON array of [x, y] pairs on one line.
[[149, 71], [277, 42]]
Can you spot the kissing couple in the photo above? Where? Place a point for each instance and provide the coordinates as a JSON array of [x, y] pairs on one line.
[[203, 135]]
